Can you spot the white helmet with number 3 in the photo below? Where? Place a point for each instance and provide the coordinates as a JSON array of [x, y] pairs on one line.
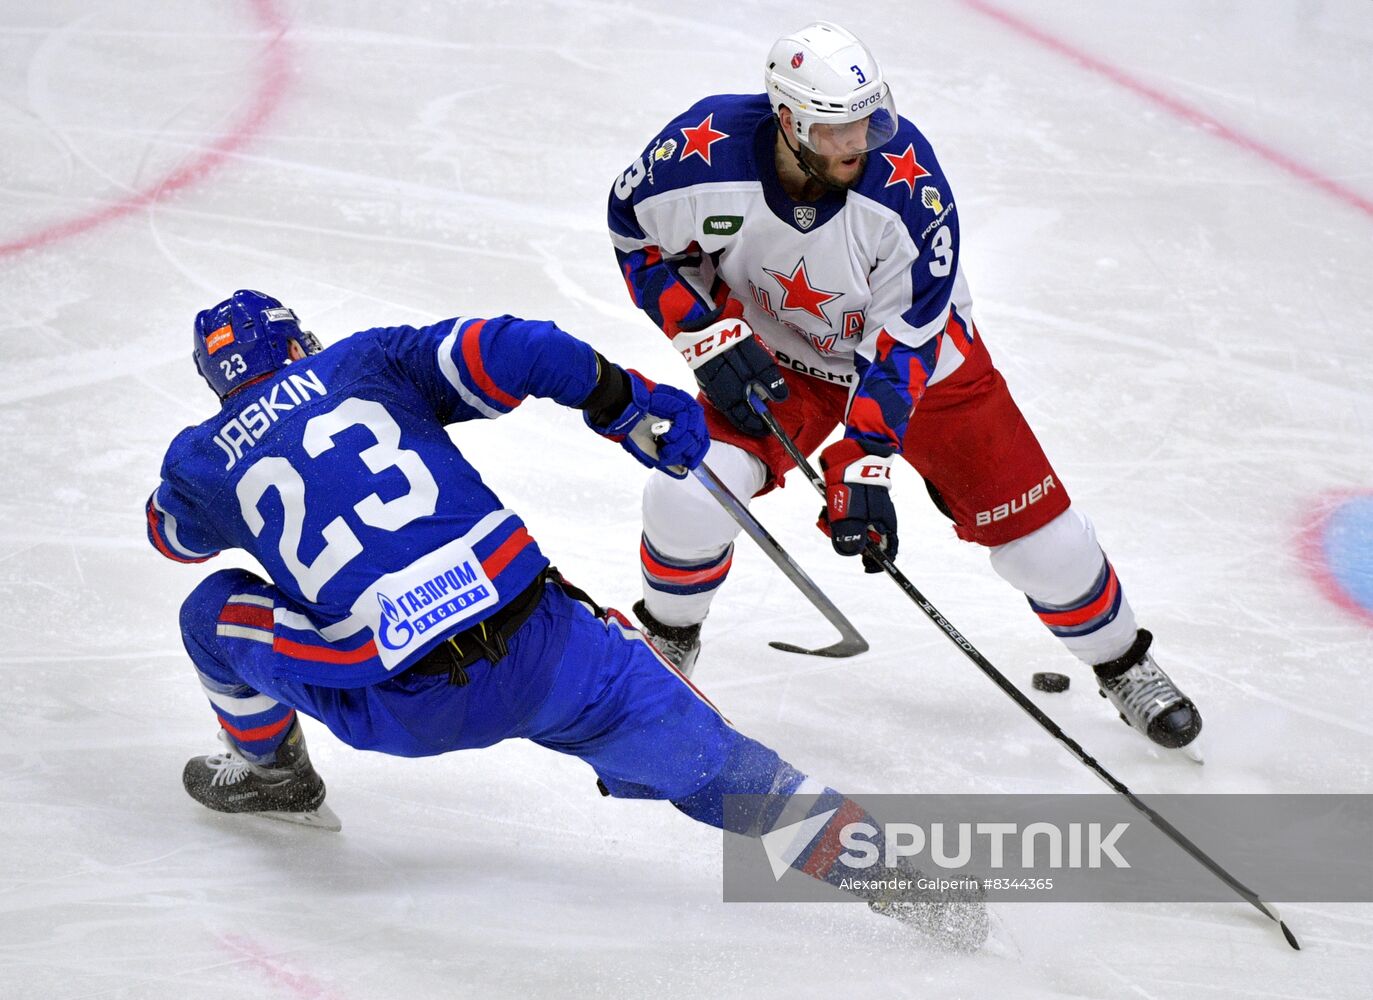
[[826, 76]]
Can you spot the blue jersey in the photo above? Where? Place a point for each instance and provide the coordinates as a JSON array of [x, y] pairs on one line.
[[337, 474], [861, 288]]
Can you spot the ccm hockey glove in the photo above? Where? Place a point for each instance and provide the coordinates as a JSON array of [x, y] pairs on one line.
[[858, 507], [661, 426], [727, 359]]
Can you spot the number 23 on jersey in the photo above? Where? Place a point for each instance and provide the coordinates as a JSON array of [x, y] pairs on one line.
[[341, 544]]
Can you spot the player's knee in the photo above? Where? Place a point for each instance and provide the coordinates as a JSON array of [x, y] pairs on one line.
[[1055, 563], [200, 611], [683, 519]]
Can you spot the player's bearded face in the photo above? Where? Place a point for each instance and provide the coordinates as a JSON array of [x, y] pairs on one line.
[[840, 152]]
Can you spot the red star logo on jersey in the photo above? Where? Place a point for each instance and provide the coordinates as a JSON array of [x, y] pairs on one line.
[[799, 294], [905, 169], [701, 138]]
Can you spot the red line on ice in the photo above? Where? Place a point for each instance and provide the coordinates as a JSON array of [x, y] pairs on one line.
[[272, 73], [1177, 108], [256, 954]]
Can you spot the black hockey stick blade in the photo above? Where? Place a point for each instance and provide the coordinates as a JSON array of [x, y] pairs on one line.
[[1287, 933], [851, 641], [844, 647], [1272, 912]]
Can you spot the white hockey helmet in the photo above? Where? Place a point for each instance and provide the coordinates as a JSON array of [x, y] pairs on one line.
[[827, 77]]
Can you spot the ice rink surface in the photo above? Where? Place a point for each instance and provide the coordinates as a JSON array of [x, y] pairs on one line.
[[1167, 211]]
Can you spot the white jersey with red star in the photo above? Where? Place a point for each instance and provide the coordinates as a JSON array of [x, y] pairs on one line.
[[861, 288]]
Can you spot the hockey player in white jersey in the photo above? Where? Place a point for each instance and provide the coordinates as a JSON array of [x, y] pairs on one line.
[[805, 243]]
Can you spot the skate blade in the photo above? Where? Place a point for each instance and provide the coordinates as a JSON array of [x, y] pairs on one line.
[[322, 818], [1001, 943], [1192, 751]]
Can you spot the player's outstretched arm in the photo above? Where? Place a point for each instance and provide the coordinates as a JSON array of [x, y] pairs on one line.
[[661, 426], [473, 368]]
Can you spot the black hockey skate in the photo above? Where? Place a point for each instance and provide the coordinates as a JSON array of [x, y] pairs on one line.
[[289, 789], [954, 919], [679, 644], [1148, 700]]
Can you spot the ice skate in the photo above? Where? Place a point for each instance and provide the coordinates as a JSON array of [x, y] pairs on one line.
[[1148, 700], [679, 644], [953, 920], [289, 789]]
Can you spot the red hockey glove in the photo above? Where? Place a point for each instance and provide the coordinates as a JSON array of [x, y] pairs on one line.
[[858, 507]]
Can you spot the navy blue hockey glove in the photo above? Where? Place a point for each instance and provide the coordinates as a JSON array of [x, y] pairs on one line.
[[727, 359], [858, 507], [662, 426]]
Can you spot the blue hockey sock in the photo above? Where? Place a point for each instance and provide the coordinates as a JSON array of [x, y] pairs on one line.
[[224, 605], [754, 769]]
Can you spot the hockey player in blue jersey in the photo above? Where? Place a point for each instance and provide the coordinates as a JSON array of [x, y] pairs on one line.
[[407, 608], [805, 243]]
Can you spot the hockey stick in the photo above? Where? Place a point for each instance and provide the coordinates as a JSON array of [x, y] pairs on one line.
[[851, 642], [876, 553]]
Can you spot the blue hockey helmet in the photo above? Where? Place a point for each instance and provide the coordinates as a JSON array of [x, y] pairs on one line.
[[244, 338]]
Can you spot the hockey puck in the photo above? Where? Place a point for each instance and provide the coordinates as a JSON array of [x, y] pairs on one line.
[[1049, 682]]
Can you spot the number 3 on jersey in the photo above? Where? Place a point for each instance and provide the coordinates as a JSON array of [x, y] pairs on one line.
[[340, 543], [942, 248], [631, 179]]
